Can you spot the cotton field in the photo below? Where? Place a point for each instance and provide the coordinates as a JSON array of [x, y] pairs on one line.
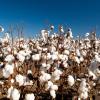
[[56, 63]]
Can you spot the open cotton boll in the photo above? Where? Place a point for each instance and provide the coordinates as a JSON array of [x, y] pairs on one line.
[[9, 92], [8, 70], [71, 80], [92, 74], [45, 49], [1, 64], [54, 57], [45, 34], [97, 58], [22, 52], [78, 52], [9, 58], [1, 82], [66, 52], [36, 57], [57, 72], [48, 85], [44, 65], [70, 32], [54, 87], [97, 72], [15, 94], [87, 34], [53, 94], [29, 96], [84, 95], [1, 29], [77, 60], [65, 64], [48, 66], [29, 72], [48, 56], [56, 75], [20, 79], [12, 80], [44, 77], [20, 57]]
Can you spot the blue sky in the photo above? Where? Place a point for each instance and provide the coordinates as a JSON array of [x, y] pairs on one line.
[[81, 15]]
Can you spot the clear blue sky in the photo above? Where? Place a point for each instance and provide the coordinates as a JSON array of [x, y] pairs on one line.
[[81, 15]]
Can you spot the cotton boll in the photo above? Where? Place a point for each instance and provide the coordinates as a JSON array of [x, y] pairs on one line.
[[20, 57], [53, 94], [44, 77], [36, 57], [1, 29], [8, 70], [1, 64], [77, 60], [48, 85], [65, 57], [87, 34], [92, 74], [65, 64], [12, 80], [66, 52], [29, 96], [9, 58], [29, 72], [70, 80], [54, 87], [81, 59], [9, 92], [51, 27], [48, 56], [61, 29], [97, 72], [83, 90], [84, 95], [20, 79], [78, 52], [56, 75], [97, 57], [44, 65], [15, 94], [48, 66], [22, 52], [54, 57], [45, 34], [1, 83]]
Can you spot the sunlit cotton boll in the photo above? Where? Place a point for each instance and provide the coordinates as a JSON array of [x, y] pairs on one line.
[[54, 87], [36, 57], [56, 75], [71, 80], [15, 94], [53, 93], [9, 58], [48, 85], [44, 77], [1, 29], [20, 79], [97, 57], [9, 92], [92, 74], [29, 96], [20, 57], [87, 34], [8, 70], [84, 95]]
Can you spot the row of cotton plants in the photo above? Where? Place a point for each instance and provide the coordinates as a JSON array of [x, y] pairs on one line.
[[49, 58]]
